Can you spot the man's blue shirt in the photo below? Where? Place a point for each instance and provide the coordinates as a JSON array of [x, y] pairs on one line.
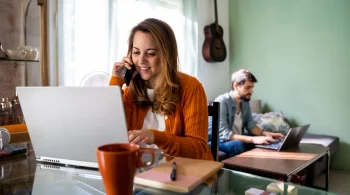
[[227, 116]]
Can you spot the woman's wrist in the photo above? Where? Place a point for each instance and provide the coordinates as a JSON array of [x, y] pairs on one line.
[[251, 140], [116, 74], [120, 72]]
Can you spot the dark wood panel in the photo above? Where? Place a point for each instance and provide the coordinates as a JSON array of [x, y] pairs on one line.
[[275, 166]]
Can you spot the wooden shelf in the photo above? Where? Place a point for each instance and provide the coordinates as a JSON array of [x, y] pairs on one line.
[[13, 60]]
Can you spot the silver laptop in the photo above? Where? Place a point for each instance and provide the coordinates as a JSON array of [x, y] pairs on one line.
[[291, 140], [67, 124]]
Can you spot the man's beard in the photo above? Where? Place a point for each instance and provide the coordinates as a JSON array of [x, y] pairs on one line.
[[245, 98]]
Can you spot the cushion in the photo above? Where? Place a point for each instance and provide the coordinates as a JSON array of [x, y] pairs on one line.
[[222, 156], [332, 142], [255, 106], [272, 122]]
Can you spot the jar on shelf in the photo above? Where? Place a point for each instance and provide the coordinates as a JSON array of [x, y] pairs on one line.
[[6, 111], [17, 110]]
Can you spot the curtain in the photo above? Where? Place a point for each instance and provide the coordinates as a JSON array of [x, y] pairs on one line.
[[93, 34]]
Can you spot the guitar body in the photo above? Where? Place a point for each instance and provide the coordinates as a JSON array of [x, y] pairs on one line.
[[214, 49]]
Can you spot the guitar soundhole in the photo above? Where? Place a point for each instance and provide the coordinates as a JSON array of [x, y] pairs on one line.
[[218, 35]]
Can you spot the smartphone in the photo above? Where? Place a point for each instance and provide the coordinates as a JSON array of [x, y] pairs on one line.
[[128, 74]]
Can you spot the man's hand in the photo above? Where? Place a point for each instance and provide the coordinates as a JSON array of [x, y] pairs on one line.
[[146, 136], [262, 139], [273, 135]]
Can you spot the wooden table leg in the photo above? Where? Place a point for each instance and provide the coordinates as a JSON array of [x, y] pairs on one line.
[[327, 170]]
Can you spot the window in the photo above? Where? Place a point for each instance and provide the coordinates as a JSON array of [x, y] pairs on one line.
[[93, 34]]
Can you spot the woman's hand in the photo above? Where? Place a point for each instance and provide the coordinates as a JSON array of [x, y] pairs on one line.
[[146, 136], [119, 67], [262, 139]]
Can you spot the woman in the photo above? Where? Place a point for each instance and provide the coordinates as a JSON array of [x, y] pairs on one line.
[[163, 106]]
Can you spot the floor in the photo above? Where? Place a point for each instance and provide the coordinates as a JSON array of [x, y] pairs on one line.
[[339, 182]]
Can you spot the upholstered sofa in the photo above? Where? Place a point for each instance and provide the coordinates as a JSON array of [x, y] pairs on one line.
[[332, 142]]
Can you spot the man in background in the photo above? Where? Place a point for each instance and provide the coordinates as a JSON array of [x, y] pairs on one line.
[[235, 116]]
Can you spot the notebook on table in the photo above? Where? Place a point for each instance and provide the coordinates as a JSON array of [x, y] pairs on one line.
[[189, 174], [67, 124], [291, 140]]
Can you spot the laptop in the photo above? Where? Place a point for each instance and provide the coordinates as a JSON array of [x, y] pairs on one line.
[[291, 140], [67, 124]]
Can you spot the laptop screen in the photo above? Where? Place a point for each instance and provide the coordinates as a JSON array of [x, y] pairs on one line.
[[71, 122]]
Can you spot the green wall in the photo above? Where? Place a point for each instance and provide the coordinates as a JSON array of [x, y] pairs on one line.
[[300, 53]]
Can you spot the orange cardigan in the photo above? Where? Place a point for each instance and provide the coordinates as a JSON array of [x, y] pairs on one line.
[[186, 132]]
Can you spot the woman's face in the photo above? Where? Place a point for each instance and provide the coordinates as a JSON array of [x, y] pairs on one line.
[[146, 58]]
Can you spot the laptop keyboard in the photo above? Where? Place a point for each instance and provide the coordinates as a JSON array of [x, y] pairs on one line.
[[273, 145], [276, 144]]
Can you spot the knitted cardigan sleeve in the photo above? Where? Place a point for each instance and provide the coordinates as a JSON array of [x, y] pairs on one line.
[[194, 140], [127, 99]]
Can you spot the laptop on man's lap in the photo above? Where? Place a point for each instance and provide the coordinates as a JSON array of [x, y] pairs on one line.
[[291, 140], [67, 124]]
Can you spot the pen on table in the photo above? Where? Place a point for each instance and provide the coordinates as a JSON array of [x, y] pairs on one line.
[[173, 172]]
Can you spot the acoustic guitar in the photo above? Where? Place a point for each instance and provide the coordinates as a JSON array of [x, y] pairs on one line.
[[214, 49]]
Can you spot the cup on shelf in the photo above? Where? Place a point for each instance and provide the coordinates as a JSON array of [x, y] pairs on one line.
[[23, 53], [2, 51], [32, 53], [16, 54]]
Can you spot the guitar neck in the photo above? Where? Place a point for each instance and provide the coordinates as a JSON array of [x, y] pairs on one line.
[[216, 15]]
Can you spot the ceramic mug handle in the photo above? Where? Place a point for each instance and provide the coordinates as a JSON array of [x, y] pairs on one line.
[[23, 54], [143, 157]]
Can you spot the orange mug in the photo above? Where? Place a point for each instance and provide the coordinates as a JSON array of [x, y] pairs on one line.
[[117, 164]]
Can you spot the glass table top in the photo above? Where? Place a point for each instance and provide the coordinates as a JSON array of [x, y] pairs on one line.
[[23, 175]]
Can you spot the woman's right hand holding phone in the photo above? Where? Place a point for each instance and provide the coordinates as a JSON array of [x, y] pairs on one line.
[[119, 67]]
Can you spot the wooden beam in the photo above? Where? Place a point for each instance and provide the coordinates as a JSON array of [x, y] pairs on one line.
[[43, 43]]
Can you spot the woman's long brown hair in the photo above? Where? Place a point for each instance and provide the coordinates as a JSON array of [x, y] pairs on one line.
[[167, 89]]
